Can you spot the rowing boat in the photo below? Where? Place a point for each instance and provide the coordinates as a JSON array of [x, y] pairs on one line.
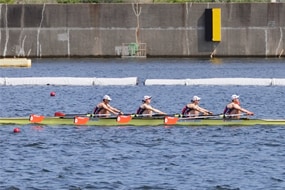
[[140, 121]]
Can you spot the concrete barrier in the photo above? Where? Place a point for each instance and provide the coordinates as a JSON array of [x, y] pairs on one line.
[[95, 30]]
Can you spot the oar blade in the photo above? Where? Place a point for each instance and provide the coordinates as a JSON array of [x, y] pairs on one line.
[[81, 120], [59, 114], [36, 118], [124, 118], [168, 120]]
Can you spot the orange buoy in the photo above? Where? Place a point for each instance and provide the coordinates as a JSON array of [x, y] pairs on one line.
[[16, 130], [52, 94]]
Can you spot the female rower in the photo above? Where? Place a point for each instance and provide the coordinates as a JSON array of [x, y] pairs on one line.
[[193, 108], [146, 108], [234, 109], [105, 109]]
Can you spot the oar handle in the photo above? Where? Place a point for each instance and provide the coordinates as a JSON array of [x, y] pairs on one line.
[[233, 115], [61, 114], [71, 115], [192, 116], [153, 115]]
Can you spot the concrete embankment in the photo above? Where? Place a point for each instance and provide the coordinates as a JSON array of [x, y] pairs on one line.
[[174, 30]]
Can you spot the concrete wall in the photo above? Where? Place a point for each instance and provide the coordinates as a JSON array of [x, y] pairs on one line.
[[53, 30]]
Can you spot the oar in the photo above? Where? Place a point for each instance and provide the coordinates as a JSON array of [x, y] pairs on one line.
[[124, 118], [234, 115], [128, 117], [202, 116], [36, 118], [80, 120], [173, 120], [170, 120], [63, 115]]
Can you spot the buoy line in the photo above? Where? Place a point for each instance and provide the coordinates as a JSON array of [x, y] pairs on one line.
[[219, 81], [68, 81], [133, 81]]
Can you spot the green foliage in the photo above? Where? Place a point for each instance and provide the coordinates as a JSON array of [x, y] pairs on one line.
[[7, 1], [89, 1], [204, 1], [69, 1]]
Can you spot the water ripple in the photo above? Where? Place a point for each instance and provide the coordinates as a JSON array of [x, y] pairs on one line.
[[68, 157]]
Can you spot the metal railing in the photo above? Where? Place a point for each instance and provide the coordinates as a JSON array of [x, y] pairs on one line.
[[137, 50]]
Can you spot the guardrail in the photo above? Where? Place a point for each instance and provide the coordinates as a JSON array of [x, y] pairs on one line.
[[131, 50]]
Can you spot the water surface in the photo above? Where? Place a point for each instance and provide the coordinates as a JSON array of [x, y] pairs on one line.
[[69, 157]]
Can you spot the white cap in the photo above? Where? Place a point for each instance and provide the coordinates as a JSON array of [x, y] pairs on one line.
[[195, 98], [146, 97], [106, 97], [235, 96]]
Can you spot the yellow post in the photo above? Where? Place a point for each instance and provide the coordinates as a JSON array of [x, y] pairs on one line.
[[216, 24]]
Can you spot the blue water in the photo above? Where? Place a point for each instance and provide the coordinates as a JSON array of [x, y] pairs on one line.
[[68, 157]]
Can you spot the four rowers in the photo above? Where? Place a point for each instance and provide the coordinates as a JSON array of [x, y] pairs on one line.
[[232, 110]]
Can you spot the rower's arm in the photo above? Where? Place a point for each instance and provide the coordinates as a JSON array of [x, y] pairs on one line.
[[117, 111], [202, 110], [153, 109], [111, 109], [246, 111], [158, 111], [243, 110]]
